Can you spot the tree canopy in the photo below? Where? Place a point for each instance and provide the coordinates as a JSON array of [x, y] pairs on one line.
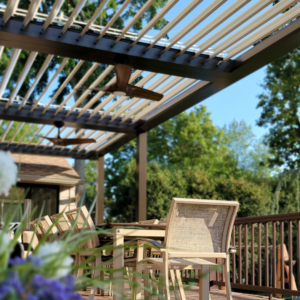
[[189, 157], [280, 110]]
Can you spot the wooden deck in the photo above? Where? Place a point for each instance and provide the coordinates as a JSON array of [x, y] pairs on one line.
[[193, 294]]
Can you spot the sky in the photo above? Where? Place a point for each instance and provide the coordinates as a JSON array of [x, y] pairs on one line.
[[238, 102]]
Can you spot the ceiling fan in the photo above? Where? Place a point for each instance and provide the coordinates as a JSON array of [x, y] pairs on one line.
[[66, 142], [122, 88]]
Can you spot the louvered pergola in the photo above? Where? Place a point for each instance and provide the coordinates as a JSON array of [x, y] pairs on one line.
[[188, 72]]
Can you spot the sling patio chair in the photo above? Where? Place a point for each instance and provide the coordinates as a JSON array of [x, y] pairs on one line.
[[197, 230]]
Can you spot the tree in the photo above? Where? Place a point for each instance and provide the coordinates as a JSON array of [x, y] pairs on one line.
[[109, 10], [12, 131], [186, 156], [249, 156], [280, 110], [164, 183]]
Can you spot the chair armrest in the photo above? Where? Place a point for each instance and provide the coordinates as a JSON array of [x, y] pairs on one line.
[[152, 243], [232, 249]]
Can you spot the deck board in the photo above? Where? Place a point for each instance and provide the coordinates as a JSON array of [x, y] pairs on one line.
[[193, 294]]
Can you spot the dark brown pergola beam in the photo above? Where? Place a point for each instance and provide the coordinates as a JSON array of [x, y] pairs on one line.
[[48, 118], [46, 150], [141, 177], [50, 42]]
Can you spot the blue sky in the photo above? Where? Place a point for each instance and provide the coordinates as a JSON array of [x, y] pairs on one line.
[[238, 102]]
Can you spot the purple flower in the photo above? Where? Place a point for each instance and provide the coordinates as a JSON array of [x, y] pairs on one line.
[[35, 260], [37, 287], [16, 261], [31, 297], [11, 286], [54, 289], [4, 290]]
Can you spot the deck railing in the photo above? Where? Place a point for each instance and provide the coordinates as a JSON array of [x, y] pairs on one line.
[[268, 249]]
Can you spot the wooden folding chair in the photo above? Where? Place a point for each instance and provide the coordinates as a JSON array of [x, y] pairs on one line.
[[42, 226], [84, 222], [62, 223], [29, 238], [197, 230]]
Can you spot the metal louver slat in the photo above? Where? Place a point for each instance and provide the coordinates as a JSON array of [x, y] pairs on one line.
[[193, 4], [135, 19], [11, 8], [9, 69], [265, 31], [214, 24], [32, 10], [206, 12], [93, 85], [73, 16], [36, 80], [80, 82], [154, 20], [227, 29], [113, 19], [64, 84], [53, 13], [253, 25], [93, 18], [50, 82], [22, 77]]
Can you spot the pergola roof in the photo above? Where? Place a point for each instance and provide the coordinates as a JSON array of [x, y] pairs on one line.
[[220, 53]]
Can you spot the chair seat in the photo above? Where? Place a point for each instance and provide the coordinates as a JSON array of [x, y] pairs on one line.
[[176, 263]]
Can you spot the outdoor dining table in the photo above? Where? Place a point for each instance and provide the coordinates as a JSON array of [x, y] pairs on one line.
[[120, 232]]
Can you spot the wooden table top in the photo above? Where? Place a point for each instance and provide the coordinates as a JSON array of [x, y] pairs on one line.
[[133, 225]]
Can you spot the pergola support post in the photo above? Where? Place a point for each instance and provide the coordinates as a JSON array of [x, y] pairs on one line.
[[141, 177], [100, 190]]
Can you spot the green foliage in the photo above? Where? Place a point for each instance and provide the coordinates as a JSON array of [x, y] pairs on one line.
[[249, 156], [280, 110], [90, 182], [164, 183], [21, 132], [190, 157]]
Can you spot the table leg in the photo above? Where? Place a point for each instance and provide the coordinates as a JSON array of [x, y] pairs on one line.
[[118, 263], [204, 283], [139, 270]]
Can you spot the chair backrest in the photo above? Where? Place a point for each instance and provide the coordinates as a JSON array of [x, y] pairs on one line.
[[200, 226], [61, 222], [154, 221], [29, 237], [43, 226], [83, 222]]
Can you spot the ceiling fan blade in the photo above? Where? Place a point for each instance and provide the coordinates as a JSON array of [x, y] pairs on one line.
[[135, 91], [67, 142], [55, 141], [80, 141], [123, 76]]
